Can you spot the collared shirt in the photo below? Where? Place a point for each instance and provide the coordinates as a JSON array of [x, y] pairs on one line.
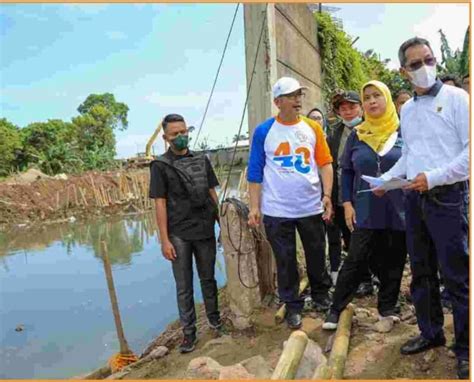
[[435, 131], [183, 221], [285, 159]]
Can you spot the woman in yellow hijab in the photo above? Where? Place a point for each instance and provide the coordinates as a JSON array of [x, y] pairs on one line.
[[377, 223]]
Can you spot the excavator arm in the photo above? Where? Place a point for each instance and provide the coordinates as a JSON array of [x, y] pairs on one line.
[[150, 142]]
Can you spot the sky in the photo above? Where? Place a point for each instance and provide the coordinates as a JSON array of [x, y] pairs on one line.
[[162, 58]]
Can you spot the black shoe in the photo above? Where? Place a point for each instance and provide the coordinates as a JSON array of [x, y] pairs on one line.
[[365, 289], [463, 369], [321, 304], [188, 344], [293, 320], [216, 324], [330, 323], [420, 344]]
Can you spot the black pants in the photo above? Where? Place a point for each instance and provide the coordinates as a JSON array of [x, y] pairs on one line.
[[205, 254], [335, 229], [385, 251], [281, 233], [437, 234]]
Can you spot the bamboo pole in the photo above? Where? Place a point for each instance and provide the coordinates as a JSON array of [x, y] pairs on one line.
[[124, 348], [280, 314], [81, 191], [291, 356], [96, 194], [76, 199], [337, 359]]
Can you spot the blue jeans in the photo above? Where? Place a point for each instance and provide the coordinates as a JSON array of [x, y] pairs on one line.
[[281, 233], [437, 233]]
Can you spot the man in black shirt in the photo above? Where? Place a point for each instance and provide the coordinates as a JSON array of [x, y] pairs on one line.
[[183, 186]]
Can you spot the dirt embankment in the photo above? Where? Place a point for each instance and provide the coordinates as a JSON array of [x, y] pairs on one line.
[[33, 196], [374, 350]]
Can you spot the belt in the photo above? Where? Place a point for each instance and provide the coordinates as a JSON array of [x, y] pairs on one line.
[[459, 186]]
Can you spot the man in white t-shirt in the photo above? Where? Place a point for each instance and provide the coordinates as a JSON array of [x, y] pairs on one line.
[[288, 155]]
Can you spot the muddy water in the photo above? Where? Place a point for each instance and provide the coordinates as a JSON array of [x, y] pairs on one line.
[[55, 314]]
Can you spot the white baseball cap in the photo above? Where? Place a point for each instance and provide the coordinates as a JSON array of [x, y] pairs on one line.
[[286, 85]]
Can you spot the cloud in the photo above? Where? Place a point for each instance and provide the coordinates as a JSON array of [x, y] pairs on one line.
[[453, 19], [116, 35]]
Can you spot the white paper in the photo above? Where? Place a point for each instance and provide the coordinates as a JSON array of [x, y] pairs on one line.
[[386, 185]]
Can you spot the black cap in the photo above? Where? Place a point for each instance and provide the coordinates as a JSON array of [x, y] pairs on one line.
[[344, 96]]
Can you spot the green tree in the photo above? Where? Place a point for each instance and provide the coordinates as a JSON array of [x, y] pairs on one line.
[[118, 110], [100, 115], [52, 145], [10, 145], [344, 67], [456, 63]]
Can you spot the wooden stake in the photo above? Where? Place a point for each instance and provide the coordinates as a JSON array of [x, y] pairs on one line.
[[290, 359], [124, 349], [81, 191]]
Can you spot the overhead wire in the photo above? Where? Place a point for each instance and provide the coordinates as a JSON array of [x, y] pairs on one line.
[[217, 74]]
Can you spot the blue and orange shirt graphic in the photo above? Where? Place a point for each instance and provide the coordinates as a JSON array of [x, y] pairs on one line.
[[285, 159]]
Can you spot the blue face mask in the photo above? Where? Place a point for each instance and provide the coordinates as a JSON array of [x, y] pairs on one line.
[[353, 122]]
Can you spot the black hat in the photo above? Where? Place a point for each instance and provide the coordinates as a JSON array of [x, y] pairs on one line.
[[344, 96]]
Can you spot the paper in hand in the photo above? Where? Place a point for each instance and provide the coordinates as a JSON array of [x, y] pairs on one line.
[[394, 183]]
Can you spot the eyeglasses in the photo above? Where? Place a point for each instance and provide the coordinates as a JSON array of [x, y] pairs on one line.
[[293, 96], [430, 61]]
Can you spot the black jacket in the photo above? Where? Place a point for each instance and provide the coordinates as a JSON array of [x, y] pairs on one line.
[[334, 139]]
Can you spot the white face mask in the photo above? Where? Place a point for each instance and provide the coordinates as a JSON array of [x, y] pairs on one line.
[[425, 77], [353, 122]]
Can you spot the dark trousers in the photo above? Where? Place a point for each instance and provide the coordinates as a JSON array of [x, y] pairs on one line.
[[334, 230], [205, 255], [281, 233], [385, 252], [437, 233]]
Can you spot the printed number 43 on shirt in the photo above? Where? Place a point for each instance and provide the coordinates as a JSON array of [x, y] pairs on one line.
[[300, 160]]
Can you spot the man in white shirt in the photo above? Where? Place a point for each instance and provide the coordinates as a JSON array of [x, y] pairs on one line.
[[285, 186], [435, 157]]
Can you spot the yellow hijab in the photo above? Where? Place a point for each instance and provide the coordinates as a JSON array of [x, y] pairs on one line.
[[376, 131]]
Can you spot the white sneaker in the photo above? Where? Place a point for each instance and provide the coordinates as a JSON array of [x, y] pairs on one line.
[[334, 277]]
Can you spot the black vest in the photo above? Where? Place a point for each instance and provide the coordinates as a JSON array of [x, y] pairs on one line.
[[193, 175]]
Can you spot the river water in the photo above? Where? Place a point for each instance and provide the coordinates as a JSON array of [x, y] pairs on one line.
[[53, 287]]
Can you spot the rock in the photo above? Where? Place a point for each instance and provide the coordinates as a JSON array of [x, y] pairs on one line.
[[258, 366], [362, 313], [311, 325], [20, 328], [373, 336], [159, 352], [424, 367], [203, 368], [412, 321], [312, 358], [451, 354], [384, 325], [118, 375], [407, 315], [430, 356], [240, 322], [71, 219], [224, 340], [61, 176], [236, 371]]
